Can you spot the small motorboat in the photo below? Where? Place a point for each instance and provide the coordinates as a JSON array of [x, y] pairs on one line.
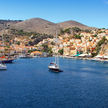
[[3, 66]]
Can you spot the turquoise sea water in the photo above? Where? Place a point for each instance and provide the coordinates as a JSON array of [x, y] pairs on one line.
[[27, 83]]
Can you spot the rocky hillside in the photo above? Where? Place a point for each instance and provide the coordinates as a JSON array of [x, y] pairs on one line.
[[70, 24], [43, 26], [104, 49], [37, 25], [5, 24], [40, 25]]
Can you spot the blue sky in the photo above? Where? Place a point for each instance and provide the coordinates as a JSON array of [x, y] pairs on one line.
[[89, 12]]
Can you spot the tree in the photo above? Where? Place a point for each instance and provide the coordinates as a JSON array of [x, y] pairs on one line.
[[18, 43], [67, 31], [61, 52], [77, 37], [103, 28], [76, 29], [87, 30], [95, 35], [50, 51], [45, 48], [52, 43]]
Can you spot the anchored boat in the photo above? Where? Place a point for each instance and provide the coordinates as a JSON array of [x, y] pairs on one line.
[[54, 66], [3, 66]]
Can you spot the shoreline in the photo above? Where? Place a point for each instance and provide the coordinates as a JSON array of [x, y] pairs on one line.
[[86, 58]]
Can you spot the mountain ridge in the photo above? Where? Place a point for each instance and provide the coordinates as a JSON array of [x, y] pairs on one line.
[[42, 26], [72, 23]]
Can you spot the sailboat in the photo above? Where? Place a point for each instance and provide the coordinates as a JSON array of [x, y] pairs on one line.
[[54, 66]]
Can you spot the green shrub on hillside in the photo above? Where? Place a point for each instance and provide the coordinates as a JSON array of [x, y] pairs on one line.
[[61, 51], [77, 36], [76, 29]]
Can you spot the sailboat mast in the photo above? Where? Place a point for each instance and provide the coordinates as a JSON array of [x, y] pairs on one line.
[[56, 47], [57, 59]]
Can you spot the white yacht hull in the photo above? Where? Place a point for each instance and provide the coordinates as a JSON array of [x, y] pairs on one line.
[[54, 68], [3, 67]]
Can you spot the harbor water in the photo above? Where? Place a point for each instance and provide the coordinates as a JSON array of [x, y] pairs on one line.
[[27, 83]]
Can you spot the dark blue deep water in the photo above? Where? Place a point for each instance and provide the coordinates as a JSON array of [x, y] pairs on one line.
[[27, 83]]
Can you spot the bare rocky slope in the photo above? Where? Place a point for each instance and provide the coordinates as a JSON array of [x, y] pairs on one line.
[[40, 25], [104, 49], [70, 24], [37, 25], [43, 26], [5, 24]]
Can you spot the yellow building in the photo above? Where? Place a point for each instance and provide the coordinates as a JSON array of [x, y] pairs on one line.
[[34, 53]]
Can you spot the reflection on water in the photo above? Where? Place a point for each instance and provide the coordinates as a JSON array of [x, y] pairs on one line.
[[28, 84], [87, 68]]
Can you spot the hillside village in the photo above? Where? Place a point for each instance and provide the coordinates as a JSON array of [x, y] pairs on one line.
[[72, 39], [66, 44], [72, 44]]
